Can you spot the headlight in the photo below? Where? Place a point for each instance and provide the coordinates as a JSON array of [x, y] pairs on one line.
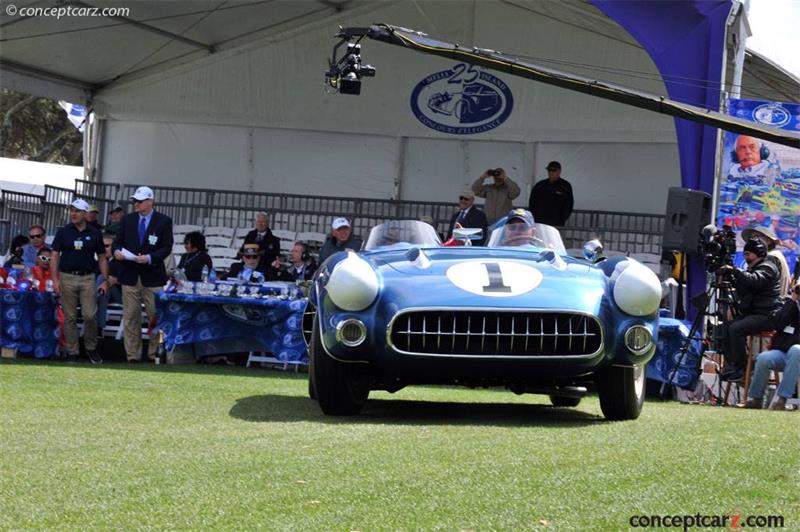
[[638, 339], [353, 284], [636, 289]]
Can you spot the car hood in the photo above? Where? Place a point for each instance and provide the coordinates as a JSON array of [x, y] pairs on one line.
[[488, 278]]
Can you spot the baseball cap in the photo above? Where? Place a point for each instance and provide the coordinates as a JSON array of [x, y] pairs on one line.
[[93, 208], [143, 193], [756, 246], [117, 209], [338, 223], [80, 205], [553, 165], [523, 215], [251, 249]]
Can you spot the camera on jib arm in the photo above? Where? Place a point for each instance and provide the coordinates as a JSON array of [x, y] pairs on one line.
[[719, 247]]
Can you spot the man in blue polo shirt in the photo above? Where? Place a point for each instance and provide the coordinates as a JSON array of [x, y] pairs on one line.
[[77, 251]]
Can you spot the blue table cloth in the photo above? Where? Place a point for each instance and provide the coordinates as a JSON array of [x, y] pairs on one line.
[[668, 364], [29, 322], [215, 325]]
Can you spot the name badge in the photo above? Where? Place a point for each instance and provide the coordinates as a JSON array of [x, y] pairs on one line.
[[79, 245], [152, 239], [789, 329]]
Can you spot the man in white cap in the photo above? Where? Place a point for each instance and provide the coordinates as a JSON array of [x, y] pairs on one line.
[[146, 238], [341, 238], [73, 268]]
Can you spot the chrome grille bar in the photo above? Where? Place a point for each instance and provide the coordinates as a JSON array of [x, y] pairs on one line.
[[572, 340]]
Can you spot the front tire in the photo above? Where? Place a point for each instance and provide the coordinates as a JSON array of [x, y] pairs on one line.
[[340, 389], [560, 400], [621, 390]]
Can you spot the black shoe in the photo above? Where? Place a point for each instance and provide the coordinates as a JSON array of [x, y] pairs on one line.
[[94, 358], [72, 359]]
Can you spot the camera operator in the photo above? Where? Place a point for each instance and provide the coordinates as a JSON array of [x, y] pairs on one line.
[[784, 355], [758, 293], [768, 237]]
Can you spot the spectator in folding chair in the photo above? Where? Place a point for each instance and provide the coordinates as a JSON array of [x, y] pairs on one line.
[[30, 251], [301, 265], [73, 264], [114, 292], [268, 244], [783, 356], [341, 239], [249, 269], [41, 272], [196, 256], [146, 237]]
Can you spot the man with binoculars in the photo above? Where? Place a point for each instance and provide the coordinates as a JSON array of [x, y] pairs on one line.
[[758, 291], [499, 191]]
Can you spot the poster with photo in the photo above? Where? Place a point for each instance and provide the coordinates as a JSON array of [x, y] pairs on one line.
[[759, 185]]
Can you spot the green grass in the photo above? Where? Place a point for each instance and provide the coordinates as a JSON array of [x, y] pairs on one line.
[[194, 447]]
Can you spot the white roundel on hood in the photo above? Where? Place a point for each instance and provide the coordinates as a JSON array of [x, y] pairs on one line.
[[494, 278]]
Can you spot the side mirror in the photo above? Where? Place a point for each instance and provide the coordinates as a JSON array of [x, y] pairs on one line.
[[593, 251], [467, 234]]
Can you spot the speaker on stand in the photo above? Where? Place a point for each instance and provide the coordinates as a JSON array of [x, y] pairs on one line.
[[688, 211]]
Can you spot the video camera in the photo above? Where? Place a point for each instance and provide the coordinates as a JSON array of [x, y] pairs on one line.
[[344, 75], [719, 247]]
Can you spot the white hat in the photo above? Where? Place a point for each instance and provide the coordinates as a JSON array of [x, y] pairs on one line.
[[338, 223], [80, 205], [143, 193]]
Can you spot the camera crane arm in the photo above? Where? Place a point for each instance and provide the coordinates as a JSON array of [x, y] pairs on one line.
[[501, 62]]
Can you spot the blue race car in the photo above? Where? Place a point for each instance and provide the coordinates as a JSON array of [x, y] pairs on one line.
[[518, 313]]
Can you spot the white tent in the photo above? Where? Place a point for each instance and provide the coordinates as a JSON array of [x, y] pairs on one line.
[[31, 177], [207, 95]]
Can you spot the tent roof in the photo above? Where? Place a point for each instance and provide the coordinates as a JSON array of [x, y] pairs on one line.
[[69, 56]]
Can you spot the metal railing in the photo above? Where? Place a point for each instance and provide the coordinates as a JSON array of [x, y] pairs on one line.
[[622, 232]]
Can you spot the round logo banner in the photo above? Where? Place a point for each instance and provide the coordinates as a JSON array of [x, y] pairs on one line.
[[463, 100]]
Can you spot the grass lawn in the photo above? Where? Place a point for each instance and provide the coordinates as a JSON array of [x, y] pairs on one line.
[[196, 447]]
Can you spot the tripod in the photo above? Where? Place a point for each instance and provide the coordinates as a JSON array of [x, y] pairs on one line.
[[717, 304]]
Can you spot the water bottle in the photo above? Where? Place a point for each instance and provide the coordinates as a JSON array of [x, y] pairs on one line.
[[204, 276], [48, 285], [212, 275]]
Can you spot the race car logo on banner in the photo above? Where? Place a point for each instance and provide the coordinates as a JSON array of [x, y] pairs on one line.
[[463, 100]]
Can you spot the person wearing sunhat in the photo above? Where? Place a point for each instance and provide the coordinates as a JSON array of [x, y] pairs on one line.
[[143, 243], [91, 217], [340, 239], [468, 215], [249, 269], [78, 252], [771, 240], [551, 199], [758, 294]]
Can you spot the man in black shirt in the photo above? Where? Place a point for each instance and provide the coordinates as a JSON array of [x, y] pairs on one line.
[[75, 247], [551, 199], [268, 244]]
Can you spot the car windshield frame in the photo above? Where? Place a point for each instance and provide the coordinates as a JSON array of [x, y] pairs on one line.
[[402, 234], [545, 237]]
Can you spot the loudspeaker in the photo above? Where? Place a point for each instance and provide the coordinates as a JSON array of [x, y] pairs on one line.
[[688, 211]]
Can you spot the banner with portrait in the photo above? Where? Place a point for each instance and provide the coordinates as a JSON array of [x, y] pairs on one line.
[[759, 185]]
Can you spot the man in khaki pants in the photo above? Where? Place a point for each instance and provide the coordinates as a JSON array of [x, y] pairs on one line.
[[74, 264], [142, 243]]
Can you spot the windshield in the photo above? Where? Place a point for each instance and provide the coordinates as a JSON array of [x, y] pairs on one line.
[[538, 235], [402, 233]]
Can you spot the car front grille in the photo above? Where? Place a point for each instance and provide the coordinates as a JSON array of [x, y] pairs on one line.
[[496, 333]]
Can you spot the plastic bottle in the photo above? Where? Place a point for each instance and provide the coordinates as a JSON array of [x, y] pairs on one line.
[[204, 276], [48, 285], [212, 275]]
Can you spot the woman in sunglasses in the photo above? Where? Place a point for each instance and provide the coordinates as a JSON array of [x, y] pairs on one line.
[[41, 272]]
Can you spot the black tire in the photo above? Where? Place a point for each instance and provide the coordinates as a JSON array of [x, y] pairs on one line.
[[312, 393], [340, 389], [621, 391], [559, 400]]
